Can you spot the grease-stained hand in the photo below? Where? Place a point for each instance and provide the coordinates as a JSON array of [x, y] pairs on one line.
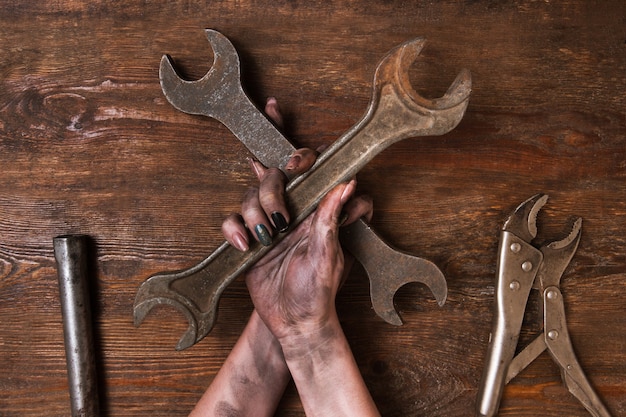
[[294, 330], [293, 287]]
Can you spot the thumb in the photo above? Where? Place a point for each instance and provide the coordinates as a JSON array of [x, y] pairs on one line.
[[326, 219]]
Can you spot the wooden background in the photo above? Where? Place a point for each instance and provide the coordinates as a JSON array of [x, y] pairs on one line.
[[88, 144]]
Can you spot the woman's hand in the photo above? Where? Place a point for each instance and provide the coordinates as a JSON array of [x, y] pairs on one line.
[[293, 288]]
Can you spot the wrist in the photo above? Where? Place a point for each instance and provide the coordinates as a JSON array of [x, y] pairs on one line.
[[307, 340], [252, 379], [260, 340], [326, 374]]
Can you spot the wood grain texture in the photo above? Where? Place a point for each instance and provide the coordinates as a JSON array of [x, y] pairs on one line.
[[88, 144]]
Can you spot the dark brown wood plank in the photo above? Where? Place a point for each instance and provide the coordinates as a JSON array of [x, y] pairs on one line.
[[88, 144]]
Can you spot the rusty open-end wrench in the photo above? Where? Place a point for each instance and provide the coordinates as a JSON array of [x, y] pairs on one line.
[[395, 112]]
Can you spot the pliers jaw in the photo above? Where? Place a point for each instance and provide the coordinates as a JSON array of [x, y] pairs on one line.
[[557, 255], [522, 266], [523, 221]]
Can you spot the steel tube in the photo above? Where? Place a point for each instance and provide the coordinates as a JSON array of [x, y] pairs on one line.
[[70, 253]]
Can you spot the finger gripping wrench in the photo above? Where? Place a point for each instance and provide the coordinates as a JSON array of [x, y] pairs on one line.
[[395, 112]]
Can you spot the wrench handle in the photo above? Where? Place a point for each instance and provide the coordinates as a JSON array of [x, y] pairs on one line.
[[71, 257], [250, 125]]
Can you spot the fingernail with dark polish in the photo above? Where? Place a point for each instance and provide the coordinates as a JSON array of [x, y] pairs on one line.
[[280, 222], [263, 234]]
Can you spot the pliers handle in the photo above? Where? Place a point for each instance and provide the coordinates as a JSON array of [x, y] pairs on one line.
[[518, 264], [555, 338], [521, 267]]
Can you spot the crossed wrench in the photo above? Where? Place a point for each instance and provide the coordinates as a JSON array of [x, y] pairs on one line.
[[395, 112]]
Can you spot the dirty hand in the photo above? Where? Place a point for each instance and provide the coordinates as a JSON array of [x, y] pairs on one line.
[[293, 287]]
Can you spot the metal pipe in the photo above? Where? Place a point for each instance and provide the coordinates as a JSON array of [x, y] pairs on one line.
[[70, 253]]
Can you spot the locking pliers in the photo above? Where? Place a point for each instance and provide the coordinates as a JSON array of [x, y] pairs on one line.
[[521, 267]]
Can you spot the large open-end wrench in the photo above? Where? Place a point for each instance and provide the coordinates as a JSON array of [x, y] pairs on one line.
[[395, 113]]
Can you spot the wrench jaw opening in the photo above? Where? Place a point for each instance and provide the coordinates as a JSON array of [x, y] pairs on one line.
[[189, 338], [161, 289], [196, 291], [389, 269], [382, 291], [396, 112], [444, 113], [224, 74]]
